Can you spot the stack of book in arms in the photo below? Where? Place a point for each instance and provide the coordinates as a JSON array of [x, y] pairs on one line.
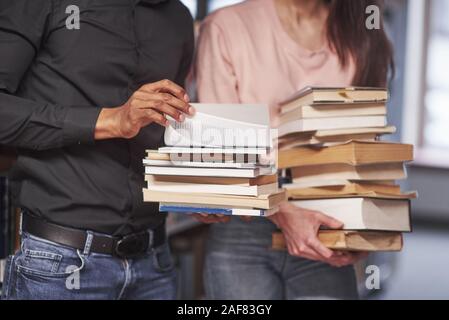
[[217, 162], [329, 141]]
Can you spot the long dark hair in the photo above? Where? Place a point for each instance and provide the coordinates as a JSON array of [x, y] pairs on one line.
[[370, 50]]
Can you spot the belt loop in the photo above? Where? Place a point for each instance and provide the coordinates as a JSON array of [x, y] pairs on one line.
[[88, 244], [20, 222], [150, 239]]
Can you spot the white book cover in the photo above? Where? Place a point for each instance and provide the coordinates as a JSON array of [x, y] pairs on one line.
[[364, 213], [196, 164], [213, 188], [222, 125], [305, 125], [198, 150], [210, 172]]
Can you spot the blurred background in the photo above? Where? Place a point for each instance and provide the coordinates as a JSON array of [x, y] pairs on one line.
[[419, 108]]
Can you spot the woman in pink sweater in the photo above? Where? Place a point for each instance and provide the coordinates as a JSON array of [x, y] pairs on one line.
[[262, 51]]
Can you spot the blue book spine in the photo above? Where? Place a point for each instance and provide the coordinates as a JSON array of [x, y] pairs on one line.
[[191, 210], [211, 211]]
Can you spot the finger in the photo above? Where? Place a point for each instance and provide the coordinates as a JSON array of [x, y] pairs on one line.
[[246, 218], [199, 218], [329, 221], [158, 105], [304, 252], [166, 109], [321, 249], [346, 259], [154, 116], [167, 86], [225, 219], [167, 98]]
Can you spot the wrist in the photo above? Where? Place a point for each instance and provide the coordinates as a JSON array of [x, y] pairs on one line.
[[108, 124]]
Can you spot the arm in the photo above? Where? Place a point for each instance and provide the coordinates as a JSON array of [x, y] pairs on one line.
[[26, 123], [35, 125], [214, 68]]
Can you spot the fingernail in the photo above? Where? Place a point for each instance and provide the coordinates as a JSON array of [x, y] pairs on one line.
[[186, 98], [191, 111], [181, 118]]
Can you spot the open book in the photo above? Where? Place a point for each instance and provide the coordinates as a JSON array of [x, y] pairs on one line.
[[222, 125]]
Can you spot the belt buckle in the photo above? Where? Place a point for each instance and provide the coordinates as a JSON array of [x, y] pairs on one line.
[[132, 246]]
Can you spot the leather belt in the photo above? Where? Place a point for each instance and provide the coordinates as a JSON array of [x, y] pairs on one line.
[[129, 246]]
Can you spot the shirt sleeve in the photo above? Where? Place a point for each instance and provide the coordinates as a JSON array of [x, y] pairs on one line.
[[215, 77], [26, 123]]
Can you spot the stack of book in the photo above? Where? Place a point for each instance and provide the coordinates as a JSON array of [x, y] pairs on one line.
[[340, 167], [216, 163]]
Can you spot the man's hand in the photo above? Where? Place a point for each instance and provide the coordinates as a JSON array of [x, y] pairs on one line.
[[150, 104], [211, 218], [300, 228]]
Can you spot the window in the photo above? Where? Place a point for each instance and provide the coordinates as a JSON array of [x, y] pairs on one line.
[[192, 6], [217, 4], [436, 96]]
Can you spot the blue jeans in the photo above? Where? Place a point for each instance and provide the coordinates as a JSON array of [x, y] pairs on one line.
[[48, 271], [240, 265]]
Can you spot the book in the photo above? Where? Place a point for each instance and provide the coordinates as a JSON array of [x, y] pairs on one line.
[[364, 213], [376, 171], [355, 131], [322, 95], [222, 125], [327, 138], [210, 172], [245, 182], [351, 188], [189, 155], [195, 164], [353, 153], [155, 185], [294, 142], [296, 194], [305, 125], [332, 111], [351, 240], [260, 202], [213, 151], [188, 209]]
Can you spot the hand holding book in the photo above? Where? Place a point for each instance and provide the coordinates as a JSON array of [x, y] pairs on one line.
[[152, 103], [300, 228]]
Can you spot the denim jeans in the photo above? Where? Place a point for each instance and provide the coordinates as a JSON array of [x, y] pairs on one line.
[[48, 271], [240, 265]]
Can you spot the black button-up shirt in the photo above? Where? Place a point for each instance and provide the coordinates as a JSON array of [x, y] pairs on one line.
[[54, 81]]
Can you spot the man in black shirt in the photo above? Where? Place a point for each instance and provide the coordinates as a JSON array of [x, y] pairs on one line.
[[81, 104]]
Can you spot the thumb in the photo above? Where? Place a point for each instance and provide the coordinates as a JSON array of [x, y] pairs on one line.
[[329, 221]]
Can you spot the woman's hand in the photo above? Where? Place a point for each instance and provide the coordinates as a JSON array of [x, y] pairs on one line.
[[300, 228]]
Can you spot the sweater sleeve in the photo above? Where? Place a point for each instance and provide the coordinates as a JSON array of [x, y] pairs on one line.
[[214, 70]]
